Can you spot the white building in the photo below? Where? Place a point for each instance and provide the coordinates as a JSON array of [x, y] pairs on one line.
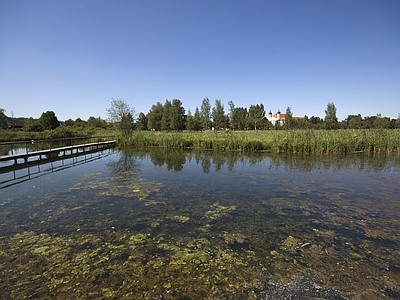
[[276, 117]]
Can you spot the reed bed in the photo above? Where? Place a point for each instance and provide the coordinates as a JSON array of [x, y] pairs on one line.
[[294, 141]]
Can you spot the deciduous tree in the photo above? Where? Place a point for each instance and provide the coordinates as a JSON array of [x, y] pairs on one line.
[[154, 117], [32, 124], [177, 115], [96, 122], [218, 115], [231, 110], [3, 119], [189, 121], [205, 112], [381, 122], [331, 121], [354, 121], [127, 123], [197, 119], [256, 116], [48, 121], [289, 118], [398, 121], [239, 118], [141, 122], [166, 116], [121, 114]]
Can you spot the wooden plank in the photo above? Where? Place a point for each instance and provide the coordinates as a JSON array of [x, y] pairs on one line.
[[25, 156]]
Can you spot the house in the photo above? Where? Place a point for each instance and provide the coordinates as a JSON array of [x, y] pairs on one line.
[[278, 118], [14, 123]]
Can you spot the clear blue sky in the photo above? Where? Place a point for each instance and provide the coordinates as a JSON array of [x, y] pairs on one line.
[[72, 57]]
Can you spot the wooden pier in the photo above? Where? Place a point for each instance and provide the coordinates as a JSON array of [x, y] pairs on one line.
[[23, 158]]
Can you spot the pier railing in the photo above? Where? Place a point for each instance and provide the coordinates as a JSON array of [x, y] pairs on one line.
[[18, 173], [25, 147]]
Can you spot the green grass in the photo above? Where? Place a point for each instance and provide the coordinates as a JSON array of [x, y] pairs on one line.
[[293, 141]]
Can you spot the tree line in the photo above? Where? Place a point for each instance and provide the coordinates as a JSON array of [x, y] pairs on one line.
[[49, 121], [172, 116]]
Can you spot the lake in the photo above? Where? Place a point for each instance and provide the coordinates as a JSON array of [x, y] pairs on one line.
[[157, 224]]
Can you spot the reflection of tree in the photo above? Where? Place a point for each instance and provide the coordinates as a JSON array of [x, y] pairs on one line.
[[218, 162], [307, 163], [125, 166], [206, 164], [176, 159], [173, 159]]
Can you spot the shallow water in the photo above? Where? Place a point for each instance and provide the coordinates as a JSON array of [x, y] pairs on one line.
[[202, 225]]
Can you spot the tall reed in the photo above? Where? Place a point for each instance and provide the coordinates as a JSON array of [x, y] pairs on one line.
[[295, 141]]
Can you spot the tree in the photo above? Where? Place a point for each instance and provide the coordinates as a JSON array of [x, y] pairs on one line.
[[48, 121], [316, 122], [231, 110], [398, 121], [380, 122], [289, 118], [205, 112], [303, 123], [393, 123], [80, 123], [239, 118], [154, 117], [177, 115], [96, 122], [368, 122], [127, 123], [354, 121], [69, 123], [32, 124], [331, 121], [3, 119], [256, 115], [218, 115], [189, 121], [166, 116], [141, 122], [197, 119], [121, 114]]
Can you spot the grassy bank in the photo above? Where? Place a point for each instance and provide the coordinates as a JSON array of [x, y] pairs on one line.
[[60, 132], [310, 141]]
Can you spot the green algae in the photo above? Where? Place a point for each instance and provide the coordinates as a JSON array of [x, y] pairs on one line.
[[217, 210], [181, 219], [41, 250]]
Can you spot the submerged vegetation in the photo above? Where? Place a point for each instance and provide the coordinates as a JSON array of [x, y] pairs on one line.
[[120, 232], [294, 141]]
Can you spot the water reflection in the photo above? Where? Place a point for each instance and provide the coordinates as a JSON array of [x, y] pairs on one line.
[[126, 163], [176, 159]]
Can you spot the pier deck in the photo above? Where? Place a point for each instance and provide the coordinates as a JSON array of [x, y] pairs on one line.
[[63, 151]]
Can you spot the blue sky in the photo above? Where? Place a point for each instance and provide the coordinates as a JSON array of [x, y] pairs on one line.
[[73, 57]]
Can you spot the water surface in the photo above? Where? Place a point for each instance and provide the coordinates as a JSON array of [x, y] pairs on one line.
[[202, 225]]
